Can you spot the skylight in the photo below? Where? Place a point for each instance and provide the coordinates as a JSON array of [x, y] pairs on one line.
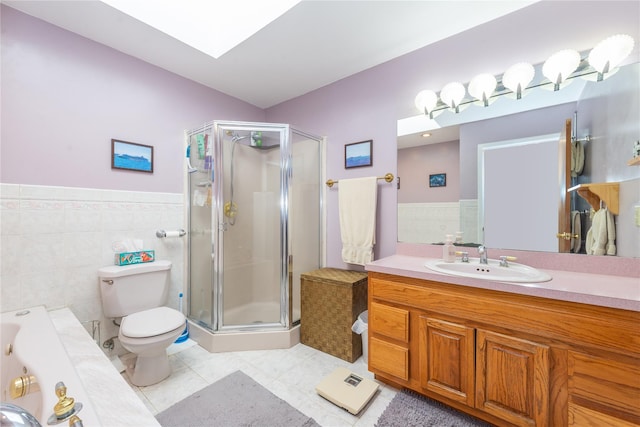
[[210, 26]]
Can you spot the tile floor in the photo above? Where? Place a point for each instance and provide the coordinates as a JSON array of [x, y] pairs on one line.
[[290, 374]]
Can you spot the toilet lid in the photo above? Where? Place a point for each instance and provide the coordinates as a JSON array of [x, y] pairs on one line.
[[149, 323]]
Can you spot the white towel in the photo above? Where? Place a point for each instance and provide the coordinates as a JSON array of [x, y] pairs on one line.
[[576, 229], [577, 158], [601, 236], [357, 200]]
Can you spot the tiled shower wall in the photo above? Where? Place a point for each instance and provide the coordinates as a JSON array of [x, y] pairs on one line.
[[54, 239]]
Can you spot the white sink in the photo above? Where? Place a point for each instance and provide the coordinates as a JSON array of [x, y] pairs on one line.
[[516, 273]]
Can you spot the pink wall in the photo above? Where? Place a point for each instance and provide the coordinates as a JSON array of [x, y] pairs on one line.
[[367, 105], [64, 97], [415, 164]]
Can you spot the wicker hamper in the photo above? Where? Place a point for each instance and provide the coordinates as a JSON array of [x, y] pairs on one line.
[[332, 299]]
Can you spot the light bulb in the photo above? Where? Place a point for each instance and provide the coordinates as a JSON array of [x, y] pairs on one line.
[[609, 53], [452, 94], [482, 86], [560, 66], [426, 101], [518, 77]]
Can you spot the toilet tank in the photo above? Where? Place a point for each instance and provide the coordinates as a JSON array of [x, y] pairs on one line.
[[132, 288]]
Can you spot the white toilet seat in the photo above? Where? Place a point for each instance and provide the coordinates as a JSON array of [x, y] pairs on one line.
[[151, 323]]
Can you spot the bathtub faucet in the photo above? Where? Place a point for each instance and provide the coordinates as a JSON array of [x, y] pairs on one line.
[[66, 408], [14, 415], [23, 385]]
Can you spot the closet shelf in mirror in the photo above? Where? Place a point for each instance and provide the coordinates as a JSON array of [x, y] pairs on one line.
[[607, 192], [634, 162]]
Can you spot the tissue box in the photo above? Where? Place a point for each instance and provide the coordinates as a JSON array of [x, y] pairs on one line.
[[128, 258]]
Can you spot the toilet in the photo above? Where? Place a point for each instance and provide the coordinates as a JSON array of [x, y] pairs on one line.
[[138, 293]]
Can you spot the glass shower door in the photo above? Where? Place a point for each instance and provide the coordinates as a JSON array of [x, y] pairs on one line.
[[248, 269]]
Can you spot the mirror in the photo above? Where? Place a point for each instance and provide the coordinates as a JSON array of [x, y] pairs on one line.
[[605, 111]]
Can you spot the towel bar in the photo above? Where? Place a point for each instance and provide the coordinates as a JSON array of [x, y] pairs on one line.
[[388, 177]]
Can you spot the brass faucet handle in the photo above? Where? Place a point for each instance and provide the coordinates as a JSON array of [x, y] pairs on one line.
[[65, 404], [75, 421]]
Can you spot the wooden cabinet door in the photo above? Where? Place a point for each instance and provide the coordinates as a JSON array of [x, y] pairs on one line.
[[512, 379], [447, 359]]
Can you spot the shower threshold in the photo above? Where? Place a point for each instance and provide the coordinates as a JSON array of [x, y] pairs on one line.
[[245, 340]]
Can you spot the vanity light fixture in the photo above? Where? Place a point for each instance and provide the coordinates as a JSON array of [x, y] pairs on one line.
[[482, 87], [517, 78], [426, 101], [560, 66], [452, 95], [609, 53], [558, 69]]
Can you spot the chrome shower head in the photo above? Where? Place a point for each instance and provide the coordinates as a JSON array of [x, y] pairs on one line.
[[236, 137]]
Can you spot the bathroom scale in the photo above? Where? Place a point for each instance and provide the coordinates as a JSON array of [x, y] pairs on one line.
[[347, 390]]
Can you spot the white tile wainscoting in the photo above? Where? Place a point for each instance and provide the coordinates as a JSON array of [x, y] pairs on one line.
[[54, 239]]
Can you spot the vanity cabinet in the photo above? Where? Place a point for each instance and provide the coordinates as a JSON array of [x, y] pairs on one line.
[[510, 359]]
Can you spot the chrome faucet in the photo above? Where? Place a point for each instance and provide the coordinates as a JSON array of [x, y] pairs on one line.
[[482, 251]]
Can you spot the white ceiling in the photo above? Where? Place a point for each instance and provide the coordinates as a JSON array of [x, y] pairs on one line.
[[315, 43]]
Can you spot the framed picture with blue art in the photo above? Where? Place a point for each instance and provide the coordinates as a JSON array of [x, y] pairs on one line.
[[438, 180], [358, 154], [131, 156]]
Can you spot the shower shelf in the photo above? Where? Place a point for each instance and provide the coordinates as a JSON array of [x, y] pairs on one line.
[[607, 192]]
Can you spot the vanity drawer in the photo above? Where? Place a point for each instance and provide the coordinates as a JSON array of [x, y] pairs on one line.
[[612, 385], [389, 358], [579, 416], [389, 321]]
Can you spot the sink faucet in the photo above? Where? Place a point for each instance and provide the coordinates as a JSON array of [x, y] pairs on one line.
[[482, 251]]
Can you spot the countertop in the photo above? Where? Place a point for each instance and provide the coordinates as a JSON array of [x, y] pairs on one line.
[[115, 403], [596, 289]]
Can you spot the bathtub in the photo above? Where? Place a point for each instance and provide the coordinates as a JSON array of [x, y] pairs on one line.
[[30, 346]]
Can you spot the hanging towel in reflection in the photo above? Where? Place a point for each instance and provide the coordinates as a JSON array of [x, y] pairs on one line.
[[357, 200], [601, 236], [576, 229], [577, 158]]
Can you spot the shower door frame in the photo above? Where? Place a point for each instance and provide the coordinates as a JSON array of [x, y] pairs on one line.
[[219, 224]]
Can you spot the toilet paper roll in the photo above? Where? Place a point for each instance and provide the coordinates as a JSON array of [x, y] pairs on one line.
[[172, 234]]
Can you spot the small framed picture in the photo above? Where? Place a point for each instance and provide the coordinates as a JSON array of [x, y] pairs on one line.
[[131, 156], [358, 154], [438, 180]]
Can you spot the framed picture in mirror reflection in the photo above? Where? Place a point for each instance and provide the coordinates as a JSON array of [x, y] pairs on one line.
[[438, 180]]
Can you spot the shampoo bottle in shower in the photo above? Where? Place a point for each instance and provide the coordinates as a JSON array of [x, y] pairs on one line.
[[448, 251], [200, 141]]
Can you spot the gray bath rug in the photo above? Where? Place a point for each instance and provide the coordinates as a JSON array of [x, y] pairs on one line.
[[409, 409], [235, 400]]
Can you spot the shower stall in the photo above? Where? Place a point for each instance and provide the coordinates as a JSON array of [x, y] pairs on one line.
[[255, 224]]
